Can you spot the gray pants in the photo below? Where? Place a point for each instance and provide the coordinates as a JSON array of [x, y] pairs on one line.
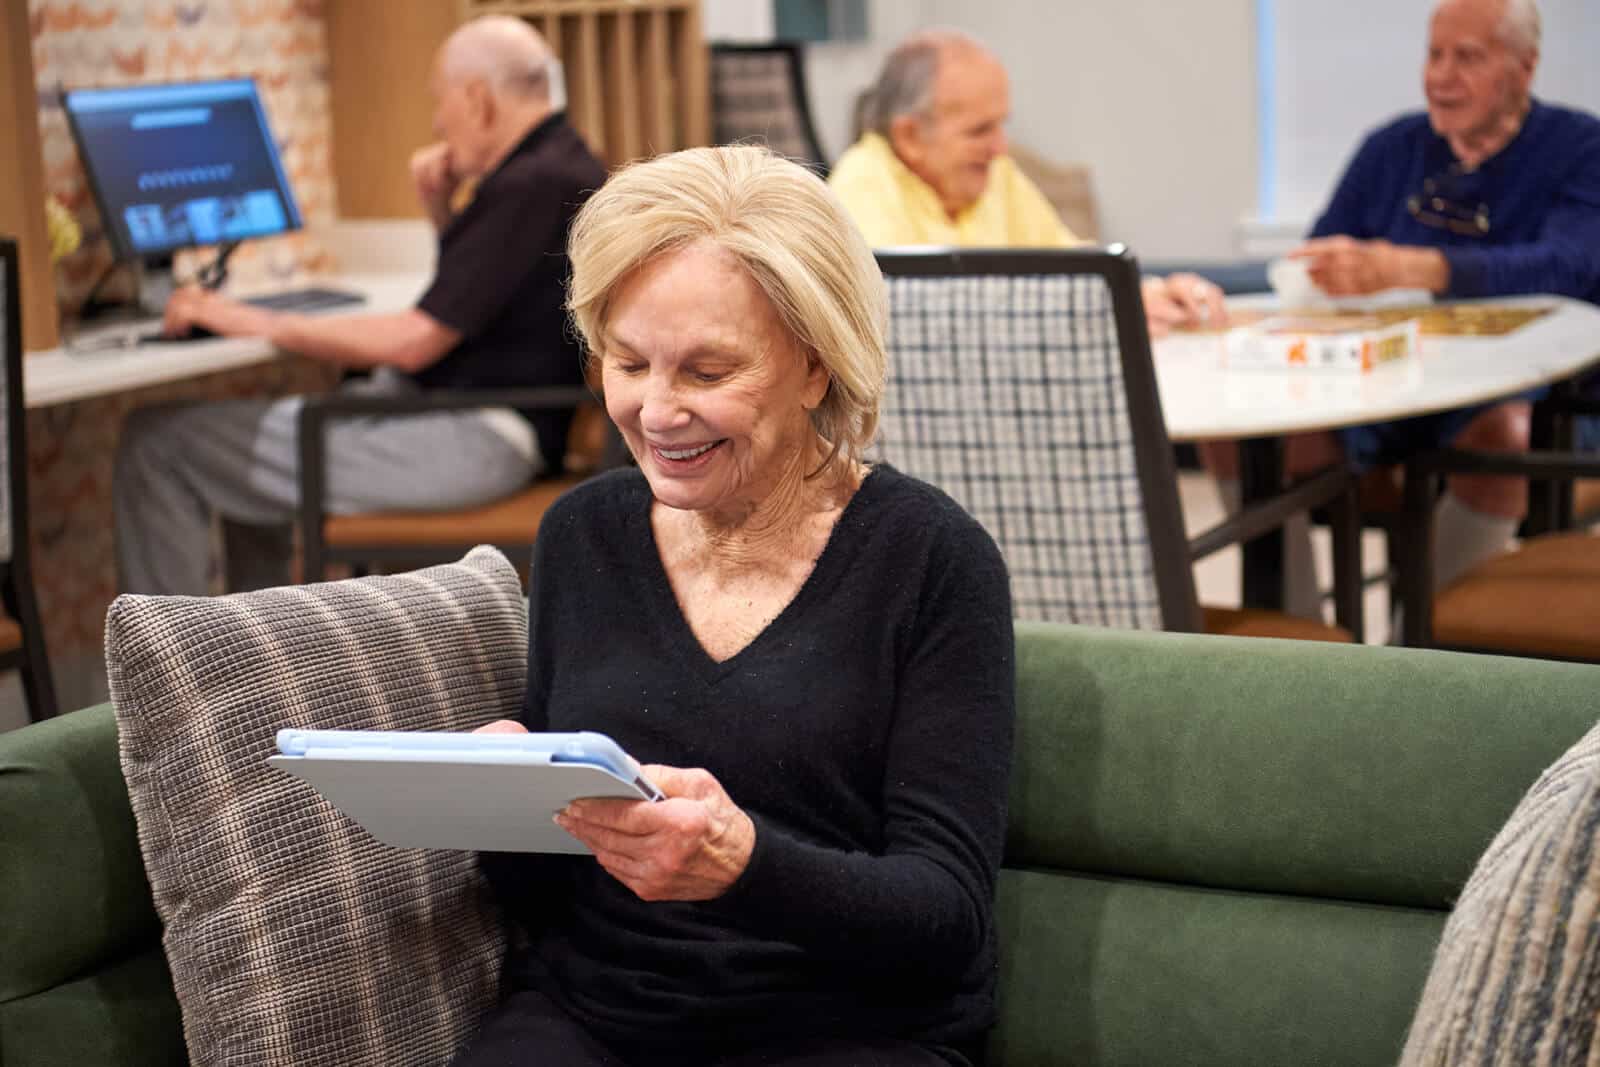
[[179, 466]]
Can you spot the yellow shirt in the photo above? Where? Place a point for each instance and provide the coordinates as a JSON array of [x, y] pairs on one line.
[[892, 206]]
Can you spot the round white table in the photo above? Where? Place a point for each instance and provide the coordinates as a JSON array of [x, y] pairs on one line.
[[1202, 400]]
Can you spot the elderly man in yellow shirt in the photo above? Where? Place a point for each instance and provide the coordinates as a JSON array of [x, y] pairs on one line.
[[931, 169]]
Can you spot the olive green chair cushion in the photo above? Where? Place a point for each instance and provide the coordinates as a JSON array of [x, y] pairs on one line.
[[83, 980]]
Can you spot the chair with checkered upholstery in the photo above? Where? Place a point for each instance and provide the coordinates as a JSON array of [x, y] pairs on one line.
[[21, 635], [758, 93], [1022, 384]]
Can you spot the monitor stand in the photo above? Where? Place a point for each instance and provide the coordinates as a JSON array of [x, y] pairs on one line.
[[152, 287]]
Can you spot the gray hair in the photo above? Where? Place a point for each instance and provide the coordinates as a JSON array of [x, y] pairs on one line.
[[905, 85], [503, 51], [1520, 26]]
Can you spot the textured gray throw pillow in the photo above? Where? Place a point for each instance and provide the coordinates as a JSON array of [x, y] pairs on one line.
[[1516, 980], [293, 936]]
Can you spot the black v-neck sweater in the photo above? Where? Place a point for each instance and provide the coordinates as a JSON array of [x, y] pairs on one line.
[[867, 732]]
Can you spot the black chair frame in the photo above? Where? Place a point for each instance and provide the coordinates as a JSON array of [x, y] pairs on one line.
[[16, 575], [794, 52], [1172, 554], [1424, 474]]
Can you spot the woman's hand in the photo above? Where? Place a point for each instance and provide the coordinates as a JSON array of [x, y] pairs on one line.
[[691, 846], [502, 726]]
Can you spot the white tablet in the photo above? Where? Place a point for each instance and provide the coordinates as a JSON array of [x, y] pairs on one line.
[[477, 792]]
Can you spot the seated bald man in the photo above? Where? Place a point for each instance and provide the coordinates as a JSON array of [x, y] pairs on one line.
[[931, 168], [492, 317]]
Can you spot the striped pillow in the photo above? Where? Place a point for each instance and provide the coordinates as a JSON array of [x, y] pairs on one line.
[[1517, 976], [292, 935]]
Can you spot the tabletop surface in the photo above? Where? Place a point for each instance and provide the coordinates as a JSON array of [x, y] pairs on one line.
[[1203, 400], [61, 375]]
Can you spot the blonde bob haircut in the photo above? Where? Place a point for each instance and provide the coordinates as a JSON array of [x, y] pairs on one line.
[[790, 232]]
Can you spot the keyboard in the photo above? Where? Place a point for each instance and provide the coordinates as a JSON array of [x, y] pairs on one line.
[[154, 336], [313, 298]]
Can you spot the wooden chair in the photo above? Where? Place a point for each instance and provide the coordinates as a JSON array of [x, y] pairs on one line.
[[1021, 383], [758, 93], [414, 538], [1539, 599], [21, 636]]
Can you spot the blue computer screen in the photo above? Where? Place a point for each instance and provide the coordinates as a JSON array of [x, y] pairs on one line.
[[180, 165]]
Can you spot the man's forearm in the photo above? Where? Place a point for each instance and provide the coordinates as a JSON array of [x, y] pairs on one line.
[[357, 341]]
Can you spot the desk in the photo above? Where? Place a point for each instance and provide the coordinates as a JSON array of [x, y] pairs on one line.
[[1202, 401], [59, 375], [76, 403]]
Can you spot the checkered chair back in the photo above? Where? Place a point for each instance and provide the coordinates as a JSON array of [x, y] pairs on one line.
[[758, 94], [1021, 384]]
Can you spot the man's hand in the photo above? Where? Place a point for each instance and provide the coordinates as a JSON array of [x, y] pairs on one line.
[[1180, 300], [192, 306], [691, 846], [433, 173], [1345, 266]]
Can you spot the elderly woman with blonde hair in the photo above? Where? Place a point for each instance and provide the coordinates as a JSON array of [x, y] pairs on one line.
[[814, 653]]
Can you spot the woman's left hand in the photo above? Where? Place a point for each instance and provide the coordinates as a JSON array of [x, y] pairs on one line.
[[691, 846]]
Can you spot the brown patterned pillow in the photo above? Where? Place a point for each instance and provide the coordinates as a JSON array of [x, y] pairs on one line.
[[293, 936], [1516, 980]]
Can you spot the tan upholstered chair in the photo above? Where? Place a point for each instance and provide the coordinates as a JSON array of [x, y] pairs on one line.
[[1068, 188]]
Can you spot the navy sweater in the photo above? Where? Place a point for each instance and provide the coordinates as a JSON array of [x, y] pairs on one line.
[[1542, 191], [867, 732]]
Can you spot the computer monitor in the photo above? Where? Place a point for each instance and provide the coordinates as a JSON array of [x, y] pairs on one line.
[[178, 165]]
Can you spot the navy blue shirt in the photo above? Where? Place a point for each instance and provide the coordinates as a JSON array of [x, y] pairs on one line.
[[1542, 193]]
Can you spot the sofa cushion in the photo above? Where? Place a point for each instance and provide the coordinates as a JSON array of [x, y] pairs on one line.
[[1108, 972], [1516, 979], [1366, 774], [292, 935]]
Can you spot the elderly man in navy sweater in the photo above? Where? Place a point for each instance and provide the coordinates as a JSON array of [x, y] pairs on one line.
[[1488, 193]]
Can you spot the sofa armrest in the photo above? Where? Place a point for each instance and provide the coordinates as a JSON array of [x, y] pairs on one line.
[[72, 880]]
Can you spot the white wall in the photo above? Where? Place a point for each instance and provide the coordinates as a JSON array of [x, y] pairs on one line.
[[1345, 68], [1156, 96], [1160, 97], [737, 20]]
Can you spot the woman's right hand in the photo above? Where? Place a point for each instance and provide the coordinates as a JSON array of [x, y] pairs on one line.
[[502, 726]]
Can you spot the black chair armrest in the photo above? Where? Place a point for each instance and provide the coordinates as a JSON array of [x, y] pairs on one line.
[[1251, 522], [555, 397], [1538, 466]]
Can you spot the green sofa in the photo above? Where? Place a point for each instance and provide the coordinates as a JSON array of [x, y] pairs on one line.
[[1223, 851]]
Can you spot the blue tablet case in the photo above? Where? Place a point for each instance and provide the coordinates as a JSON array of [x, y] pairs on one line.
[[478, 792]]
